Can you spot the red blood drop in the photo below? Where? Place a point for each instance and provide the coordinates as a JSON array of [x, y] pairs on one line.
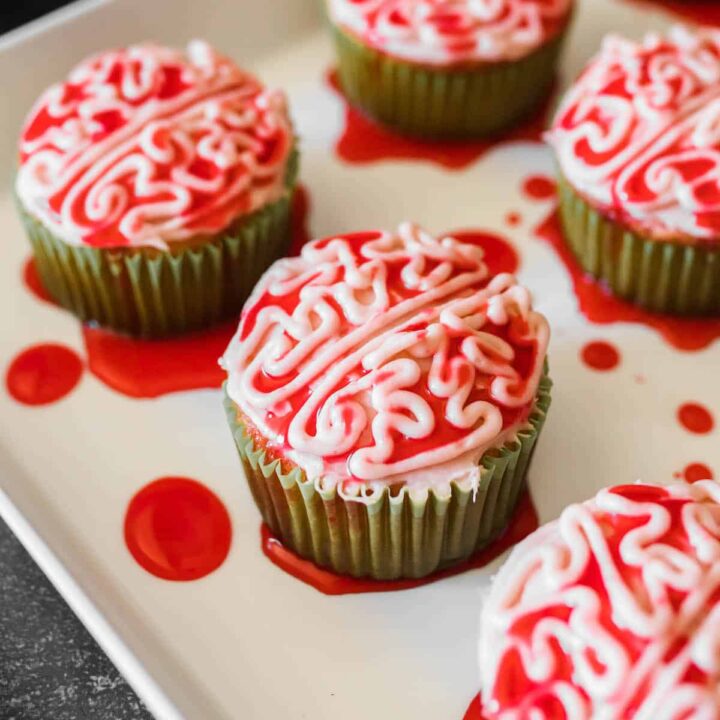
[[539, 187], [695, 418], [600, 355], [703, 13], [524, 522], [177, 529], [364, 141], [32, 282], [599, 306], [500, 255], [513, 219], [43, 374], [150, 368], [475, 710], [697, 471]]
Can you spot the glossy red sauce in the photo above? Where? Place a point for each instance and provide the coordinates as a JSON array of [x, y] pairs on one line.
[[523, 523], [43, 374], [177, 529], [703, 13], [364, 141], [500, 254], [600, 307], [600, 355], [539, 187], [695, 418], [475, 710], [695, 472]]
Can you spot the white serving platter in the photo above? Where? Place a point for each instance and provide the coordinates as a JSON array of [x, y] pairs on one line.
[[249, 641]]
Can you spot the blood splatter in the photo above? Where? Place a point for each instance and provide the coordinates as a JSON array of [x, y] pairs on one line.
[[600, 355], [364, 141], [602, 308], [695, 418], [475, 710], [177, 529], [513, 219], [696, 472], [43, 374], [539, 187], [524, 522]]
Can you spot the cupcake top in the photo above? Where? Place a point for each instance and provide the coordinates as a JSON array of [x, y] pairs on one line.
[[613, 611], [381, 358], [639, 133], [446, 32], [146, 146]]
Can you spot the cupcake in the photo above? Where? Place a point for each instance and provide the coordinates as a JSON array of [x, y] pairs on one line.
[[448, 68], [638, 151], [385, 394], [611, 612], [155, 187]]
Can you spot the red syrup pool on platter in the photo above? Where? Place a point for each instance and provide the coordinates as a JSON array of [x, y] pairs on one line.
[[524, 522], [364, 141], [600, 355], [151, 368], [601, 307]]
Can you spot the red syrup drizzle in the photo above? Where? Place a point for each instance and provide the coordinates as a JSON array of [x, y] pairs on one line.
[[151, 368], [703, 13], [600, 307], [43, 374], [177, 529], [695, 418], [524, 522], [364, 141], [600, 355]]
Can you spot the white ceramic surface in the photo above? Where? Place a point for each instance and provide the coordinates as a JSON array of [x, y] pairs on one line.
[[249, 641]]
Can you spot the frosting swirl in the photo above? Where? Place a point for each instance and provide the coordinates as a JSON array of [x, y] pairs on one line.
[[612, 611], [377, 355], [639, 133], [145, 146], [444, 32]]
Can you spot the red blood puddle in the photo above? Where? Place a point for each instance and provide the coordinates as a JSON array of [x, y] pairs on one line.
[[43, 374], [600, 307], [513, 219], [177, 529], [33, 283], [523, 523], [703, 13], [600, 355], [539, 187], [150, 368], [364, 141], [695, 418], [500, 255], [475, 710]]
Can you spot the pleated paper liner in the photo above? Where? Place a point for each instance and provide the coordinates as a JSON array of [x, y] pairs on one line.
[[658, 275], [148, 292], [477, 101], [395, 533]]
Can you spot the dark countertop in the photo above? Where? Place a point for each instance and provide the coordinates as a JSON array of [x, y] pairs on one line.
[[50, 666]]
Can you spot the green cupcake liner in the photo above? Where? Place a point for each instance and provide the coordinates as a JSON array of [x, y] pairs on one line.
[[148, 292], [395, 533], [659, 275], [478, 100]]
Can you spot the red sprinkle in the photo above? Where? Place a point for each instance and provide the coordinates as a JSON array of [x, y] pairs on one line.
[[600, 355], [697, 471], [177, 529], [523, 523], [695, 418], [43, 374]]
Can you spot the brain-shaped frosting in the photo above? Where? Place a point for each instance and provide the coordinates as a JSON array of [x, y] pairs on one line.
[[144, 146], [639, 133], [610, 613], [377, 354], [452, 31]]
